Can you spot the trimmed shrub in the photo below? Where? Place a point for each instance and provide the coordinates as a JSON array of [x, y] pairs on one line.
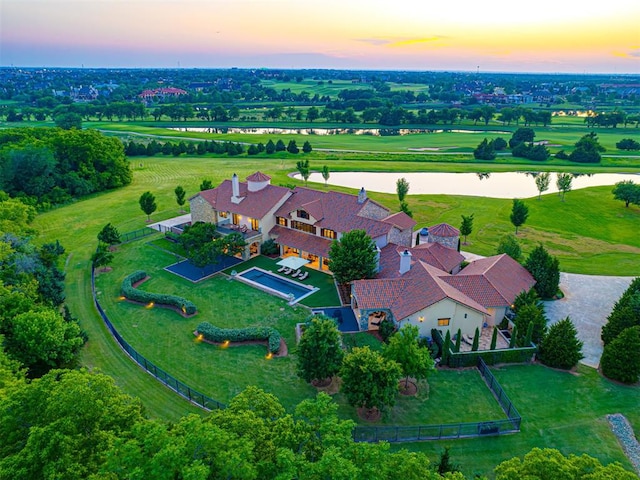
[[220, 335], [128, 291], [560, 347], [621, 357]]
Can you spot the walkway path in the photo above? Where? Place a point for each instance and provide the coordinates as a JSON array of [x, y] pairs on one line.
[[588, 301]]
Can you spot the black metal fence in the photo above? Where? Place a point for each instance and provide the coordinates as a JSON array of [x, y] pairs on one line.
[[131, 236], [397, 434], [174, 384]]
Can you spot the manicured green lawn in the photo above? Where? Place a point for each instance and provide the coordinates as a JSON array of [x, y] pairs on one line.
[[559, 410]]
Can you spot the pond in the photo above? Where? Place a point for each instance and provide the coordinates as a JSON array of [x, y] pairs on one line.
[[376, 132], [495, 185]]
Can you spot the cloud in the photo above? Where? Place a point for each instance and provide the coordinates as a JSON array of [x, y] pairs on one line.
[[394, 42], [634, 54]]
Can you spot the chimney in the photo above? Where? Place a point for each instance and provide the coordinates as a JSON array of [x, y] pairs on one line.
[[362, 195], [235, 189], [405, 262]]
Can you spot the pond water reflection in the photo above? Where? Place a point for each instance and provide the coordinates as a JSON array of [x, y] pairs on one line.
[[482, 184]]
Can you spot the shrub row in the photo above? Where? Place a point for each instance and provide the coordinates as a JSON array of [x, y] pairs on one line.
[[219, 335], [131, 293]]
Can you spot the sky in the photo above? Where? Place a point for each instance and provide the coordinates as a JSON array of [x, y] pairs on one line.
[[558, 36]]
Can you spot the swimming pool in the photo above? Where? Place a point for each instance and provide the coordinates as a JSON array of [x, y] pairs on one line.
[[275, 284]]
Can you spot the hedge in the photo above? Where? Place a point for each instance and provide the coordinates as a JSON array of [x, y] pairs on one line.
[[220, 335], [128, 291]]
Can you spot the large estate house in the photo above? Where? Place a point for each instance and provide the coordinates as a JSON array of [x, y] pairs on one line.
[[423, 285]]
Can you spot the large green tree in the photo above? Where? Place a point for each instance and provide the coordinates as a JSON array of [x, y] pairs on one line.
[[320, 351], [369, 380], [530, 314], [148, 204], [509, 245], [403, 348], [545, 268], [621, 357], [519, 213], [560, 347], [625, 312], [627, 191], [353, 257], [109, 235], [466, 227]]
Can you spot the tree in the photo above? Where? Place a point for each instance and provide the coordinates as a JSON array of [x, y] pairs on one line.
[[560, 347], [563, 182], [485, 150], [402, 188], [206, 185], [369, 380], [319, 351], [42, 339], [524, 316], [353, 257], [69, 120], [313, 114], [476, 340], [306, 147], [522, 135], [550, 464], [303, 168], [148, 204], [467, 226], [73, 419], [109, 235], [587, 149], [270, 147], [545, 268], [325, 174], [628, 144], [625, 313], [102, 256], [509, 245], [404, 207], [444, 465], [542, 182], [494, 339], [180, 196], [458, 340], [292, 147], [628, 192], [519, 213], [404, 349], [621, 357], [280, 146]]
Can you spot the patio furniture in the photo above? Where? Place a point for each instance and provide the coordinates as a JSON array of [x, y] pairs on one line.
[[296, 273], [303, 276], [286, 271], [282, 269], [244, 229]]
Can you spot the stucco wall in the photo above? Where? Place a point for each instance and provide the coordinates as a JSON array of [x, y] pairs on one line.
[[446, 309]]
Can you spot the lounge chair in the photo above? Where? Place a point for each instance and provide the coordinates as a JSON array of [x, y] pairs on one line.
[[303, 276], [296, 273], [282, 269], [286, 270]]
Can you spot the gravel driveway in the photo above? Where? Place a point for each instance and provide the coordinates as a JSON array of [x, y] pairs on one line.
[[588, 301]]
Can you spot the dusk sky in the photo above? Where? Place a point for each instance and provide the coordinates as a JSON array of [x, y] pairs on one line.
[[582, 36]]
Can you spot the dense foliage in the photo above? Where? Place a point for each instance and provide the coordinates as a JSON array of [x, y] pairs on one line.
[[625, 313], [621, 357], [545, 268], [560, 347], [128, 291], [353, 257], [52, 165], [220, 335], [320, 351]]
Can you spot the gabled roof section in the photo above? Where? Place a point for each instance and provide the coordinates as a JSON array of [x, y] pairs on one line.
[[419, 288], [400, 220], [444, 230], [302, 241], [434, 254], [336, 211], [254, 204], [493, 281]]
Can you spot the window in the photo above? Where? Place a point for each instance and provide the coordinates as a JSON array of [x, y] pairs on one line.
[[255, 224], [443, 322], [302, 214], [305, 227], [327, 233], [281, 221], [223, 214], [236, 219]]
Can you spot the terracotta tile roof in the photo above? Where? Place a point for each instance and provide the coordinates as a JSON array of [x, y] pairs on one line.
[[340, 212], [417, 289], [258, 177], [400, 220], [300, 240], [444, 230], [433, 254], [255, 204], [493, 281]]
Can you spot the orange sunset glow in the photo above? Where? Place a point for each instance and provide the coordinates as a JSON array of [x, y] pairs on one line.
[[495, 35]]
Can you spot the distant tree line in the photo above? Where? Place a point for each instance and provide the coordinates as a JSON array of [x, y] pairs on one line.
[[153, 148], [46, 166]]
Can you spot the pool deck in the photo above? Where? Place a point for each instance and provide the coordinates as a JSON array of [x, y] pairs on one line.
[[287, 296]]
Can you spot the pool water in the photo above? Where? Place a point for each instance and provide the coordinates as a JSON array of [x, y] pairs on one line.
[[275, 284]]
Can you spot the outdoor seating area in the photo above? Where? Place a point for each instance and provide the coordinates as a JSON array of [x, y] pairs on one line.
[[297, 273]]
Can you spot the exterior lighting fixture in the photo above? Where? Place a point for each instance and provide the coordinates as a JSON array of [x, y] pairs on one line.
[[421, 319], [269, 356], [150, 305]]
